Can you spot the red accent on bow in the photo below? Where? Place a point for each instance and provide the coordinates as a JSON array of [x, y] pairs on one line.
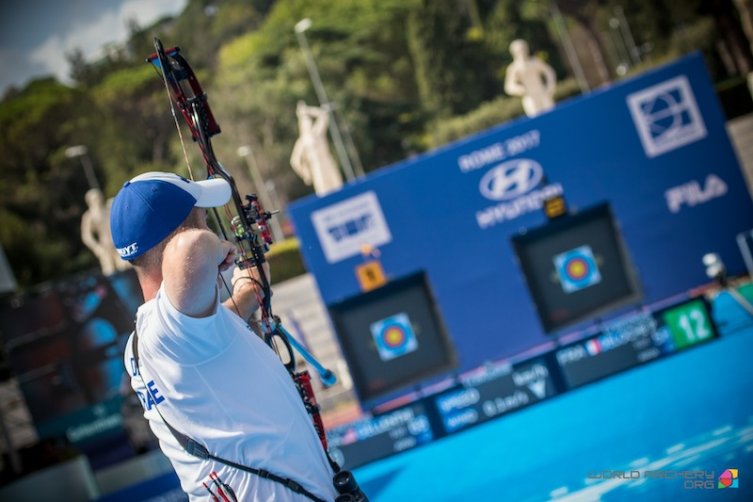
[[249, 223]]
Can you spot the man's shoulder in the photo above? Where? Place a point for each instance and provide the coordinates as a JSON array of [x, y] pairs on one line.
[[145, 314], [151, 327], [165, 332]]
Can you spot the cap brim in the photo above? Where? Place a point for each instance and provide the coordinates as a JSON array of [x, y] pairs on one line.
[[215, 192]]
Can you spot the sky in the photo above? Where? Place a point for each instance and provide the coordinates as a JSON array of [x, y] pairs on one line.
[[35, 35]]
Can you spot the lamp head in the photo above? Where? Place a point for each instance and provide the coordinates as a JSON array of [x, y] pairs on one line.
[[75, 151], [715, 268]]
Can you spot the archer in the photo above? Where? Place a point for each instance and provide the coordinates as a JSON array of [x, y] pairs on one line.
[[233, 419], [203, 370]]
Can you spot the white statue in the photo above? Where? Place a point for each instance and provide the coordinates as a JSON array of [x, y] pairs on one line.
[[311, 158], [95, 232], [531, 78]]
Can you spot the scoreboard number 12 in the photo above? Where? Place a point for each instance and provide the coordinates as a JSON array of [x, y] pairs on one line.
[[689, 323]]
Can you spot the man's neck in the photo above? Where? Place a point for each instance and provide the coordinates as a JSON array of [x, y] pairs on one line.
[[150, 283]]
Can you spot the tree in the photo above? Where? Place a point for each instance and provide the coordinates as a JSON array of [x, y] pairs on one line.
[[505, 22], [745, 8], [41, 190], [404, 75], [446, 61], [360, 51], [733, 45], [584, 13]]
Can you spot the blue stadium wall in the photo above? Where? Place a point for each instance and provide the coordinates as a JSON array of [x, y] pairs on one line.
[[654, 147]]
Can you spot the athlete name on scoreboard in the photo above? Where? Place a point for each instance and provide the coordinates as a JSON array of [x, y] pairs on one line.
[[494, 393]]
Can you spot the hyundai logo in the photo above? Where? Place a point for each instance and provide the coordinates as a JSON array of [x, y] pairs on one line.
[[511, 179]]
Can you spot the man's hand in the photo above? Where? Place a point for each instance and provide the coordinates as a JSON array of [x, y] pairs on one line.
[[247, 291]]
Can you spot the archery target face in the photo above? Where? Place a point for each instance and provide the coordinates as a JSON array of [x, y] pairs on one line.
[[394, 336], [577, 269]]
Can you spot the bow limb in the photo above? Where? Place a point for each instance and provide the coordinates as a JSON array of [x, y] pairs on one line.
[[248, 220]]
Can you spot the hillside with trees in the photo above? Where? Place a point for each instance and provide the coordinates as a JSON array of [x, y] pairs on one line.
[[405, 76]]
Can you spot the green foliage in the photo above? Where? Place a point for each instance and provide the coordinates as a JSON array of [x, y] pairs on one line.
[[734, 96], [489, 114], [124, 84], [403, 75], [41, 191], [359, 50], [694, 36], [446, 60], [649, 20], [133, 95], [285, 260], [508, 20]]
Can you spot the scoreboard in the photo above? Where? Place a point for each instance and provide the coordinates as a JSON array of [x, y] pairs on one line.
[[502, 387], [494, 391], [634, 340], [376, 437]]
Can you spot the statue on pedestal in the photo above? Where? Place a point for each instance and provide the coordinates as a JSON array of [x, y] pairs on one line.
[[531, 78], [95, 232], [311, 158]]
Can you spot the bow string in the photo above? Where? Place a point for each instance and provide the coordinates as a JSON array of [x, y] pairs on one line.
[[248, 219]]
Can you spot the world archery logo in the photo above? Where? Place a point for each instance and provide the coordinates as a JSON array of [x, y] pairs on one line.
[[394, 337], [728, 479], [345, 227], [577, 269], [666, 116]]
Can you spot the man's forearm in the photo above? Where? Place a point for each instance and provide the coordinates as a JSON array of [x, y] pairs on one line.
[[244, 304]]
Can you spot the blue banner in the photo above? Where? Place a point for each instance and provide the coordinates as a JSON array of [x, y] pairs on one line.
[[654, 147]]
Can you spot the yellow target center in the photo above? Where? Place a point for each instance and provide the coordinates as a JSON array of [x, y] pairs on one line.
[[393, 336], [577, 269]]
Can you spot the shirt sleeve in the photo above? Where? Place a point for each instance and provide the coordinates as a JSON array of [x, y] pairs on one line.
[[191, 340]]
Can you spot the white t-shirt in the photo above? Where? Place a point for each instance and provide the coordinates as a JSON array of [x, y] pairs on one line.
[[217, 382]]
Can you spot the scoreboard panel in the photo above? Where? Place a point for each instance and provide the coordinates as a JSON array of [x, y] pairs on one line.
[[635, 340], [494, 391]]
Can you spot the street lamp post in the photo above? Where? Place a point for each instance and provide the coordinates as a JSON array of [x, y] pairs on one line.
[[621, 54], [321, 94], [567, 44], [627, 35], [247, 153], [82, 153]]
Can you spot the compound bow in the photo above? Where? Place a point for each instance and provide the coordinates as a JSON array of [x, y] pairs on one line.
[[248, 219]]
